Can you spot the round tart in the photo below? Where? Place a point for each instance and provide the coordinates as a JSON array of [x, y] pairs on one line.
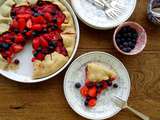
[[47, 24]]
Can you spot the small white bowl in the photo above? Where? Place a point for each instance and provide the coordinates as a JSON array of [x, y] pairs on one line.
[[141, 40]]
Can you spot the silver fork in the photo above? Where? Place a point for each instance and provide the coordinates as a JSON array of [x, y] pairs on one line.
[[123, 104], [108, 11]]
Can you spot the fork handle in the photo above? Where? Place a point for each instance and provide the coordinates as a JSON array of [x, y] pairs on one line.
[[139, 114]]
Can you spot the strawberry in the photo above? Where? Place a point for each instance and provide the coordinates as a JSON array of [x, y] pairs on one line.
[[43, 42], [21, 24], [24, 16], [17, 48], [19, 38], [92, 92], [29, 23], [34, 59], [29, 33], [40, 56], [37, 27], [8, 41], [36, 43], [9, 53], [84, 91], [14, 24], [48, 16], [92, 102], [113, 77], [104, 83]]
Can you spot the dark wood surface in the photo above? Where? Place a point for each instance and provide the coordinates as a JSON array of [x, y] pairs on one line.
[[46, 101]]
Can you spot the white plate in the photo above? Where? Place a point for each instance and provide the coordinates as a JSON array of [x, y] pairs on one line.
[[96, 18], [24, 73], [104, 108]]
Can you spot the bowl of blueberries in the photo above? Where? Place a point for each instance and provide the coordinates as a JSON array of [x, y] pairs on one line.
[[130, 38]]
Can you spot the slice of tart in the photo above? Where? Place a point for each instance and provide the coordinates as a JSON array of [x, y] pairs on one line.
[[98, 78]]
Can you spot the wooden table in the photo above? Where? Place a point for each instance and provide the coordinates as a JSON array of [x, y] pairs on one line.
[[46, 101]]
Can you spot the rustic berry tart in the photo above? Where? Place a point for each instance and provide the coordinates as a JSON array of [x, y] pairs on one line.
[[47, 24]]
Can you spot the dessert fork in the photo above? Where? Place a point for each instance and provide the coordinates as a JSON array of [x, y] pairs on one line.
[[123, 104]]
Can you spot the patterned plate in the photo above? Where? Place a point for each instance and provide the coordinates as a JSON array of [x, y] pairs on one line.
[[104, 108]]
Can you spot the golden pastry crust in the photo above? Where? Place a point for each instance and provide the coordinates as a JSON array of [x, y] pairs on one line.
[[97, 72], [54, 61], [50, 65]]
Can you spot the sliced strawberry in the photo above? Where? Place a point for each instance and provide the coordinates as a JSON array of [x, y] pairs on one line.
[[36, 43], [8, 41], [24, 16], [21, 24], [14, 24], [40, 56], [48, 16], [39, 20], [17, 48], [29, 33], [44, 42], [29, 23], [34, 59], [9, 53], [104, 83], [19, 38], [84, 91], [92, 92], [92, 102], [37, 27]]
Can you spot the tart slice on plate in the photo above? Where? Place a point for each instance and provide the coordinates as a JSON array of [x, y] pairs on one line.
[[47, 24], [99, 77]]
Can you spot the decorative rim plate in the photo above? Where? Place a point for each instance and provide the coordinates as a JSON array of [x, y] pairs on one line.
[[86, 13], [26, 79], [105, 108]]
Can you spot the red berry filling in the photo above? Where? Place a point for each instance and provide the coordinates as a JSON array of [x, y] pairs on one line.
[[41, 22], [91, 90]]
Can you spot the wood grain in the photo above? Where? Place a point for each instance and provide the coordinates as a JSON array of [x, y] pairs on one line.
[[46, 101]]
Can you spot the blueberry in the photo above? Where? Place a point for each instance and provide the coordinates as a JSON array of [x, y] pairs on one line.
[[78, 85], [109, 82], [16, 30], [122, 40], [86, 103], [54, 27], [118, 35], [16, 61], [90, 84], [53, 12], [44, 30], [5, 46], [124, 29], [121, 46], [125, 35], [39, 49], [35, 53], [135, 35], [127, 49], [125, 44], [54, 20], [24, 31], [129, 34], [52, 43], [99, 85], [36, 14], [118, 41], [128, 39], [13, 14], [34, 33], [39, 2], [115, 85]]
